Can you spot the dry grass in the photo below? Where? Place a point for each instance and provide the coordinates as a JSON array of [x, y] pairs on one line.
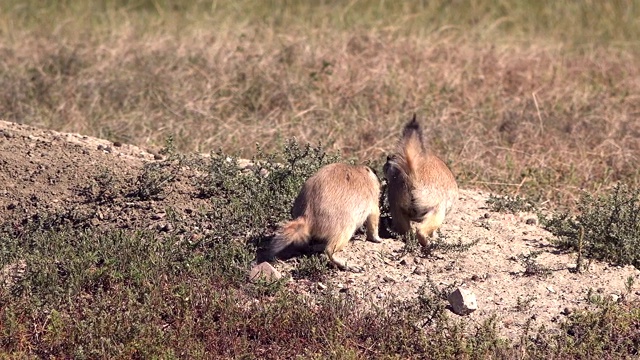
[[514, 97]]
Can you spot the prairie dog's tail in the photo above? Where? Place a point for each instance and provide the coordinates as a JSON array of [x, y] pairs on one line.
[[411, 149], [295, 232]]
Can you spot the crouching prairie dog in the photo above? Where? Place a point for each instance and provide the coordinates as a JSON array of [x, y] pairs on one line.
[[331, 206], [420, 187]]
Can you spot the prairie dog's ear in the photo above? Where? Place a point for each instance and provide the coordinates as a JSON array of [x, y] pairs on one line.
[[390, 167]]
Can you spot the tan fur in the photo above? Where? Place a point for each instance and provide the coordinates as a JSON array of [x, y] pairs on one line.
[[421, 188], [330, 207]]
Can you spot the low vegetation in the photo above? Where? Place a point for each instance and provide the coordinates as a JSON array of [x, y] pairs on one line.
[[510, 204], [87, 293], [606, 227]]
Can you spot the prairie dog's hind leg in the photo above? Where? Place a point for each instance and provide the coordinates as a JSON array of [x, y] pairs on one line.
[[372, 224], [335, 245]]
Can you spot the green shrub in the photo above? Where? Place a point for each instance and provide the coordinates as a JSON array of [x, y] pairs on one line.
[[606, 227], [252, 202], [510, 204]]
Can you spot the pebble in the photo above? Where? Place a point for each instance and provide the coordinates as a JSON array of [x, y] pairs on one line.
[[157, 216], [389, 279]]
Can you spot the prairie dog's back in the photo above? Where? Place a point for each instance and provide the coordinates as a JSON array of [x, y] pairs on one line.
[[331, 205], [337, 196]]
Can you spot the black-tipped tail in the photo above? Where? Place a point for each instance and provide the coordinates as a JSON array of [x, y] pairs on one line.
[[412, 128]]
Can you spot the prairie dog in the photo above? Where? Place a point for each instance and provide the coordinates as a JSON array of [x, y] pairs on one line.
[[421, 188], [331, 206]]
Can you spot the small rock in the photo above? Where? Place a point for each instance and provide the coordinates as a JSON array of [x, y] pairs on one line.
[[157, 216], [101, 147], [165, 227], [475, 277], [463, 301], [380, 295], [12, 273], [117, 143], [487, 215], [403, 262], [266, 271], [615, 298], [321, 286], [566, 311], [418, 270], [531, 221], [550, 289], [389, 279], [12, 206]]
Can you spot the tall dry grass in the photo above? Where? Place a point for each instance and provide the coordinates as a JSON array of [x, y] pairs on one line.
[[535, 98]]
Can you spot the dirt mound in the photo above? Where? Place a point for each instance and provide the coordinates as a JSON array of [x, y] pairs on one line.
[[90, 182], [103, 184]]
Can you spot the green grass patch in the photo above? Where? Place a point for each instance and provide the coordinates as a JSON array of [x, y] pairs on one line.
[[606, 227]]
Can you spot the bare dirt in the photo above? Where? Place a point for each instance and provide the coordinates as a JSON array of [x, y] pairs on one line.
[[87, 181], [43, 170]]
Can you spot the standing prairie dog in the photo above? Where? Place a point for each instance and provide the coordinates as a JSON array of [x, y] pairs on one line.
[[421, 188], [330, 207]]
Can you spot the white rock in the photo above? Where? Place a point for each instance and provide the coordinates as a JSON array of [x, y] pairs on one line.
[[463, 301], [264, 270]]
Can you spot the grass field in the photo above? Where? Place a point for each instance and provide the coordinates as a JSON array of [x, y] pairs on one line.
[[533, 98]]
